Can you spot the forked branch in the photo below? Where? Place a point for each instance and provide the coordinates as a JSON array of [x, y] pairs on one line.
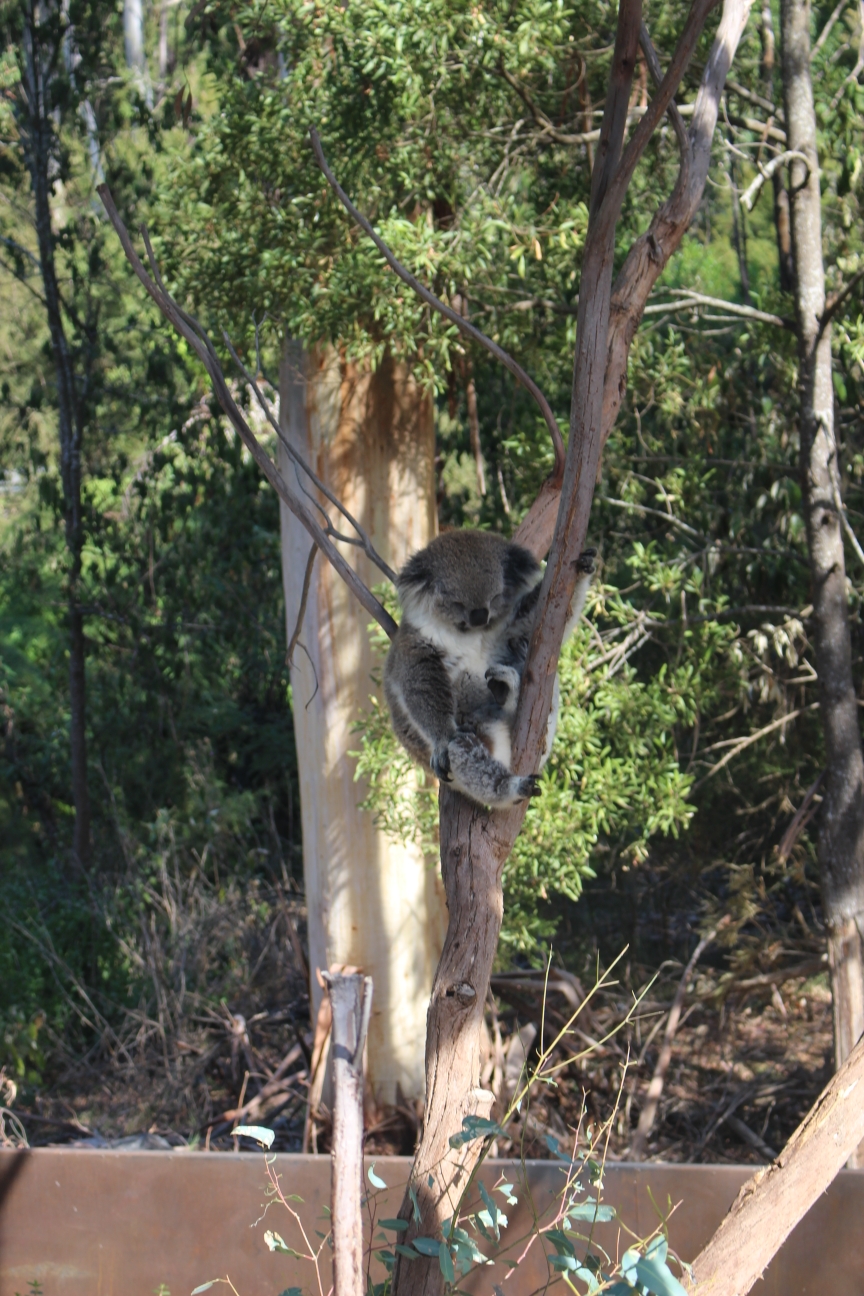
[[196, 336]]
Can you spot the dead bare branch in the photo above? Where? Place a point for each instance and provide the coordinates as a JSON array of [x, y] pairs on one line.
[[464, 325], [655, 1088], [301, 613], [688, 299], [197, 337]]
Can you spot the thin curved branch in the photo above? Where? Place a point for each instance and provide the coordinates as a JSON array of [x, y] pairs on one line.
[[751, 193], [304, 598], [364, 541], [687, 299], [198, 339], [653, 64], [463, 325]]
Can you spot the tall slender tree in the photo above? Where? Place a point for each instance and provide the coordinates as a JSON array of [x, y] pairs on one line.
[[841, 830], [46, 39]]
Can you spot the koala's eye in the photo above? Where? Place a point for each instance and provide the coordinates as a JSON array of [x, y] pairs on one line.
[[478, 616]]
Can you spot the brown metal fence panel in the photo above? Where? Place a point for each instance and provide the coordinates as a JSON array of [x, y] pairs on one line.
[[109, 1223]]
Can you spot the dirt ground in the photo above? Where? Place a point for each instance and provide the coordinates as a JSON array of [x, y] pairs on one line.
[[744, 1071]]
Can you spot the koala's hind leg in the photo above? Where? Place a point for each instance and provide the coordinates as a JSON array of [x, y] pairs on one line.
[[482, 778]]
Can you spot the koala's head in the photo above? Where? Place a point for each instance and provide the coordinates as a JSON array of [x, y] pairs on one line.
[[470, 580]]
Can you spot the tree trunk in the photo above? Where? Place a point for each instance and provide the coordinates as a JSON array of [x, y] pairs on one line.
[[37, 133], [841, 825], [373, 903]]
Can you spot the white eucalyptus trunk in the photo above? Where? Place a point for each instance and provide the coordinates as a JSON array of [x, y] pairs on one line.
[[373, 903]]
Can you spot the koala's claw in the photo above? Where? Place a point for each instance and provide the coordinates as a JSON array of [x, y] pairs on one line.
[[529, 786], [440, 763], [501, 682], [585, 561]]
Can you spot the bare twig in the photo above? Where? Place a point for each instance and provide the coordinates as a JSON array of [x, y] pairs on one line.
[[799, 821], [464, 325], [687, 299], [655, 1088], [307, 580], [189, 328], [826, 30], [752, 738], [751, 193]]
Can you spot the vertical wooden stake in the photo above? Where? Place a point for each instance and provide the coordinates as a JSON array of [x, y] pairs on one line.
[[351, 1004]]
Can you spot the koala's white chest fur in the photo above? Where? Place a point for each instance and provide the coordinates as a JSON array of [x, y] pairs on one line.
[[463, 654]]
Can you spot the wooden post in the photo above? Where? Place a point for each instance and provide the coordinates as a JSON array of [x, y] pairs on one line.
[[351, 1004]]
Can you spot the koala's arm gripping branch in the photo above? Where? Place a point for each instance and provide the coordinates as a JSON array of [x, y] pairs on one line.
[[196, 336], [453, 316]]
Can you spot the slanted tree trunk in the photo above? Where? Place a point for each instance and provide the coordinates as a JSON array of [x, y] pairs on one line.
[[841, 825], [33, 111], [373, 903]]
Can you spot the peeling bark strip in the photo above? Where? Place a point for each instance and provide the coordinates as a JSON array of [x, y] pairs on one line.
[[771, 1203], [841, 820]]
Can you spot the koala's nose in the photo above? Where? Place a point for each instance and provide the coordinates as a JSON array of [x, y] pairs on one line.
[[478, 616]]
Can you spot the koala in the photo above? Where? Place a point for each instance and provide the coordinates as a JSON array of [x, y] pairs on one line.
[[454, 669]]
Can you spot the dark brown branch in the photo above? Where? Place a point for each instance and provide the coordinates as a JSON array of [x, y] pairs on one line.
[[464, 326], [653, 64], [657, 107], [363, 541], [197, 338]]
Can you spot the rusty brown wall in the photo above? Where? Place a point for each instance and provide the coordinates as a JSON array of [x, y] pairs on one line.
[[91, 1223]]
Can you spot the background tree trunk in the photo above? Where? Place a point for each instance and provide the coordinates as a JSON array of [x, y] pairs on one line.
[[841, 825], [373, 903], [37, 134]]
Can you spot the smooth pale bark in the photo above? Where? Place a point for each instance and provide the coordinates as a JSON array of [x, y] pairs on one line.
[[841, 821], [373, 903]]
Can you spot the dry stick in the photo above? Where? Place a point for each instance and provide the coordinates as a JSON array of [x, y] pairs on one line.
[[198, 339], [304, 598], [464, 325], [747, 742], [655, 1089], [351, 1005], [771, 1203]]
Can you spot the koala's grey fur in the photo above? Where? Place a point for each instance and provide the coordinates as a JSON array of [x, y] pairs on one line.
[[454, 669]]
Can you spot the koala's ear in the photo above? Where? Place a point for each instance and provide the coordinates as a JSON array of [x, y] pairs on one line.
[[520, 567], [417, 574]]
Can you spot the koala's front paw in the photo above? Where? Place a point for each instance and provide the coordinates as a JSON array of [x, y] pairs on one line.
[[501, 682], [585, 561], [440, 763], [528, 786]]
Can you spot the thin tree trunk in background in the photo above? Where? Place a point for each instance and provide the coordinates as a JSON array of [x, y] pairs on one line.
[[841, 824], [373, 903], [37, 133], [782, 231]]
